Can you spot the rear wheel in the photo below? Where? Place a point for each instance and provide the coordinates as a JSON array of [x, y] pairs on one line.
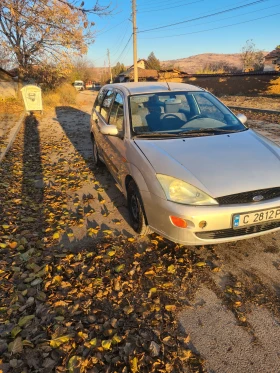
[[136, 210], [96, 159]]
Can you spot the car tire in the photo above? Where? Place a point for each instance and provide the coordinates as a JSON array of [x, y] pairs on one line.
[[96, 160], [136, 210]]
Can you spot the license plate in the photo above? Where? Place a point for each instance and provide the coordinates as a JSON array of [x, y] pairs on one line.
[[257, 217]]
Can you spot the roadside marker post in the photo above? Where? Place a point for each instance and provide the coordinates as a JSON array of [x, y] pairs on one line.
[[32, 97]]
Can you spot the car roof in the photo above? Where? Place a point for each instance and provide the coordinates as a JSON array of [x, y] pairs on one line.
[[152, 87]]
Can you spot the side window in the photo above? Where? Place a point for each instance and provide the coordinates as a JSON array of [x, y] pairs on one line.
[[207, 108], [106, 104], [116, 115], [99, 99]]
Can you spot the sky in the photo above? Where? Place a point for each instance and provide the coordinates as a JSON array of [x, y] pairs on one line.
[[183, 28]]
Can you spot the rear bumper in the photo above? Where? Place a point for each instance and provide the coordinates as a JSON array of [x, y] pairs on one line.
[[219, 226]]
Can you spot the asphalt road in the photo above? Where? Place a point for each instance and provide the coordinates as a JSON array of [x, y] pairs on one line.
[[233, 315]]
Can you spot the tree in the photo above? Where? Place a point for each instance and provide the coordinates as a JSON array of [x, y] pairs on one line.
[[252, 58], [119, 68], [152, 62], [34, 30], [218, 67]]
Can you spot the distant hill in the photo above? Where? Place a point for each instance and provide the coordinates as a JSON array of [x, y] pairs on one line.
[[195, 63]]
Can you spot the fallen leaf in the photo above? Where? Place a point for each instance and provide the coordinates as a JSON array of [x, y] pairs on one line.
[[17, 346], [25, 319], [119, 268], [170, 307], [134, 365], [154, 349], [106, 344], [56, 342]]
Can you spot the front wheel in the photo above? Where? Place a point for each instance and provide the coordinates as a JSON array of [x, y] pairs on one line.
[[96, 159], [136, 210]]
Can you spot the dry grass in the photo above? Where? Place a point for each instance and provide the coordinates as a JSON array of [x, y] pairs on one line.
[[62, 96], [11, 105]]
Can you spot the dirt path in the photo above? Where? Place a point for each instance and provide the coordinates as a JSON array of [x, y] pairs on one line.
[[157, 305]]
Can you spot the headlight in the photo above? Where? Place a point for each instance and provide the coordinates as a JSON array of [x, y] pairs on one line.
[[179, 191]]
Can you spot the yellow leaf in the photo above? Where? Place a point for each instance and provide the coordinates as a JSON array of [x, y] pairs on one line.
[[82, 335], [130, 239], [171, 269], [111, 252], [200, 264], [170, 307], [134, 365], [152, 291], [56, 342], [119, 268], [57, 280], [106, 344], [74, 364], [107, 231], [55, 235], [116, 339], [3, 245], [5, 226], [93, 342], [155, 242]]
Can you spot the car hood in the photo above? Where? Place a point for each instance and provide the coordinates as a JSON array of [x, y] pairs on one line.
[[220, 165]]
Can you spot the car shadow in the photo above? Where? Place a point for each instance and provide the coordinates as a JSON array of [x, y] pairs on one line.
[[78, 132]]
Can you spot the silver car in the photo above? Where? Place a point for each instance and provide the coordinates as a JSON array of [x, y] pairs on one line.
[[189, 168]]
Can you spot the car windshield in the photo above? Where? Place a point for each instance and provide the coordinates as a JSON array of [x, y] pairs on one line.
[[181, 113], [78, 83]]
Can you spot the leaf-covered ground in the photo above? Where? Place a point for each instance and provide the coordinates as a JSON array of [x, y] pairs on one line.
[[105, 306], [80, 293]]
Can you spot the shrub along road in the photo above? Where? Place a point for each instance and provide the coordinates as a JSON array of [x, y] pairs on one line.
[[80, 292]]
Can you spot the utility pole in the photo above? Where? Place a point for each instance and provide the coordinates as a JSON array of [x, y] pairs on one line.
[[108, 54], [134, 41]]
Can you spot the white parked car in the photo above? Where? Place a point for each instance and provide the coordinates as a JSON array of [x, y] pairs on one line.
[[79, 85], [189, 168]]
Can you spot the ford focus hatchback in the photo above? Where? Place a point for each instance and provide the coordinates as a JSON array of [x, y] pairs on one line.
[[190, 169]]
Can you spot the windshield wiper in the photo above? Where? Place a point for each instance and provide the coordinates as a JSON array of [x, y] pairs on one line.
[[209, 131], [156, 134]]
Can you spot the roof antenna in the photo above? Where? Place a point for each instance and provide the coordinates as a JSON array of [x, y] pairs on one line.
[[169, 89]]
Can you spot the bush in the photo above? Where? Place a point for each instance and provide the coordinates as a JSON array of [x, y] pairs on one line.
[[61, 96]]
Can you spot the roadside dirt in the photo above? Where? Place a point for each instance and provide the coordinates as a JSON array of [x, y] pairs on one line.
[[261, 102], [80, 291]]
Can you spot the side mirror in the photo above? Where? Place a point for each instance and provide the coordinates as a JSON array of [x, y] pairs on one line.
[[109, 129], [242, 118]]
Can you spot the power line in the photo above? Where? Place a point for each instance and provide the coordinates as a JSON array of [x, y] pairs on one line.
[[149, 6], [101, 33], [159, 3], [206, 16], [219, 20], [171, 7], [116, 60], [118, 45], [216, 28]]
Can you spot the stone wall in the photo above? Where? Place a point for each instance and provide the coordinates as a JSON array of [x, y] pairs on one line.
[[8, 89]]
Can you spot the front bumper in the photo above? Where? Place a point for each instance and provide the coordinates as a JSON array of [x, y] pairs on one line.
[[219, 227]]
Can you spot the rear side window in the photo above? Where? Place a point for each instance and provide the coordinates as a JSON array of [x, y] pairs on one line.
[[116, 115], [106, 104], [99, 99]]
